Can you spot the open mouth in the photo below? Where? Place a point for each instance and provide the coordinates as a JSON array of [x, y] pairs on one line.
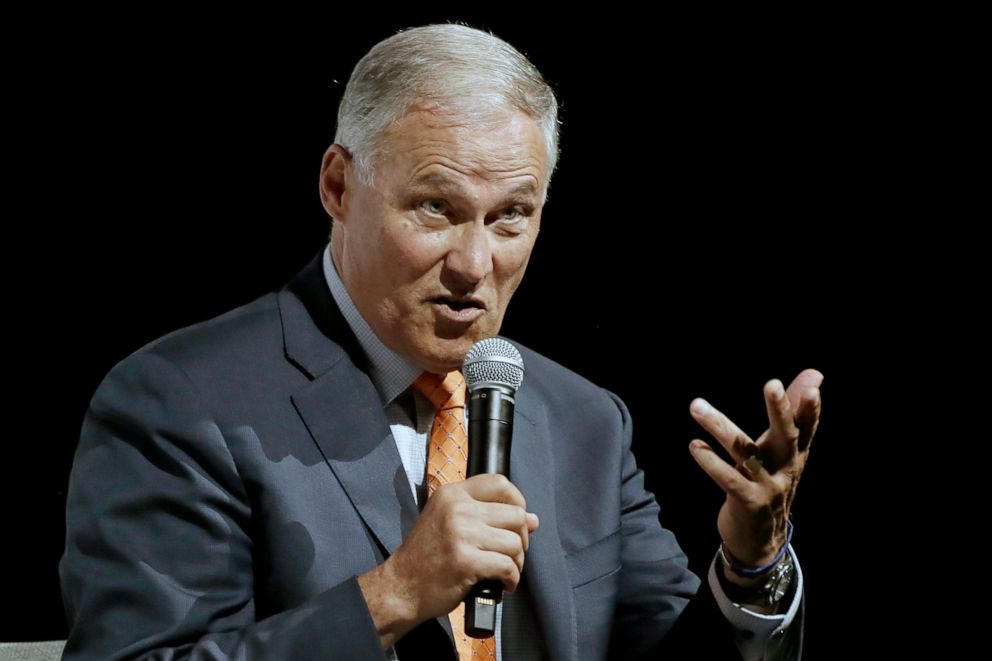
[[458, 310], [459, 304]]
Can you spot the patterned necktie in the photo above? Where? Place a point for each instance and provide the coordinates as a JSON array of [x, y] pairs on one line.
[[447, 461]]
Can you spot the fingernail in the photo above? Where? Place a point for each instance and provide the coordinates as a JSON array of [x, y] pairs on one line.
[[700, 406]]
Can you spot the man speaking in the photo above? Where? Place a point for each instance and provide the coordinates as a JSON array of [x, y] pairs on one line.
[[288, 480]]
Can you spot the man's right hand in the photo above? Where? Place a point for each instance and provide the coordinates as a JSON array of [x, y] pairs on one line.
[[468, 531]]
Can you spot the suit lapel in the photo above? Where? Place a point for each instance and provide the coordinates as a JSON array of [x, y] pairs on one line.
[[360, 449], [358, 446], [532, 470]]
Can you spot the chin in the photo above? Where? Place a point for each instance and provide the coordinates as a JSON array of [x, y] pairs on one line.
[[439, 354], [451, 356], [453, 360]]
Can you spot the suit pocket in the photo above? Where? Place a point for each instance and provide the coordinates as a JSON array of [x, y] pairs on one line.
[[595, 561], [594, 572]]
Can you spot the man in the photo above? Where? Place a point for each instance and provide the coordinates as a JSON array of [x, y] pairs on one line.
[[254, 486]]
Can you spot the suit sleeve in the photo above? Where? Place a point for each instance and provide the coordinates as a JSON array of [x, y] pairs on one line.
[[663, 609], [158, 555]]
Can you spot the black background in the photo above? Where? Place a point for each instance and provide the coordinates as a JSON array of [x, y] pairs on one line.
[[734, 202]]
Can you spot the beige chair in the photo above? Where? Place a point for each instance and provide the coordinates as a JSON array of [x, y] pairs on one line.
[[47, 650]]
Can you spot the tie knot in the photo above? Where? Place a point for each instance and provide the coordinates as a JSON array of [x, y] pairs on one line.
[[445, 391]]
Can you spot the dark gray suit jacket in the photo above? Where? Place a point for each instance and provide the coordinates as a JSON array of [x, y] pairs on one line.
[[234, 477]]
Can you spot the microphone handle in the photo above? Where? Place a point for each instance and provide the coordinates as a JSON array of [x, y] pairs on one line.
[[490, 430]]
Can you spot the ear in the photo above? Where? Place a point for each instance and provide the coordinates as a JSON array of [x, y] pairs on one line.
[[335, 175]]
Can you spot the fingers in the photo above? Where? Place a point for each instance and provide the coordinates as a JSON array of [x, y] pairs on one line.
[[495, 523], [736, 442], [507, 518], [726, 476], [500, 567], [532, 522], [505, 543], [808, 417], [793, 416], [497, 554], [468, 531], [808, 378], [804, 395], [494, 488], [781, 442]]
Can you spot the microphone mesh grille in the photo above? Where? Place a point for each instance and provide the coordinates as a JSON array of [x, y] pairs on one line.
[[493, 360]]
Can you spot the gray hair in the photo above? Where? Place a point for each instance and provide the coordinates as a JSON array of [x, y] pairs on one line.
[[455, 68]]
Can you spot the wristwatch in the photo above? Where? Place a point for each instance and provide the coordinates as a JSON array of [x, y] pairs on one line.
[[768, 593]]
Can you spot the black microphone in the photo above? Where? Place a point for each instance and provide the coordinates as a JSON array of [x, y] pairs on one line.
[[493, 370]]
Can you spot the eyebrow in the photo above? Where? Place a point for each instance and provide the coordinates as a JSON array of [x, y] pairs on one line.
[[445, 183]]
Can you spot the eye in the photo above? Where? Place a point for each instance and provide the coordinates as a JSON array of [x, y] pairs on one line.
[[514, 213], [434, 206]]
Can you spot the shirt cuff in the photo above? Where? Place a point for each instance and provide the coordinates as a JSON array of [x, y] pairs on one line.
[[756, 630]]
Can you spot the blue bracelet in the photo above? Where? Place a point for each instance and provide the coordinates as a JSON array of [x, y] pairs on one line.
[[746, 572]]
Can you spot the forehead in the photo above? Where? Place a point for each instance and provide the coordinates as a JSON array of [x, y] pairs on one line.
[[427, 149]]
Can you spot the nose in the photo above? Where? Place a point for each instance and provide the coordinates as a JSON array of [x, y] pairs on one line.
[[470, 258]]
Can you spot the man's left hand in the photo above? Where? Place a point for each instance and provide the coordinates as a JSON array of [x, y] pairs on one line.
[[761, 485]]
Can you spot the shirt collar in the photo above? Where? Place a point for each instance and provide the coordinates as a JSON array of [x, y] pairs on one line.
[[391, 373]]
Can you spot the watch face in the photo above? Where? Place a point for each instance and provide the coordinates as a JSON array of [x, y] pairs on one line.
[[779, 582]]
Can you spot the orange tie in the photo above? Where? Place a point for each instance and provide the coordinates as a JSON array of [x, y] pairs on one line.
[[447, 461]]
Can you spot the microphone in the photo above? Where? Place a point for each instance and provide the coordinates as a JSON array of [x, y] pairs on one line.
[[493, 370]]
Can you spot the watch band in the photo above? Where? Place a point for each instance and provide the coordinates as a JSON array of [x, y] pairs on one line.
[[767, 593], [754, 572]]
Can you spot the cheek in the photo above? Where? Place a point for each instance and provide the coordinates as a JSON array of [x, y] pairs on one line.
[[413, 251], [410, 257], [511, 264]]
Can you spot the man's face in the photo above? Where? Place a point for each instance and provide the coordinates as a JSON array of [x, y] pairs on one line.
[[433, 252]]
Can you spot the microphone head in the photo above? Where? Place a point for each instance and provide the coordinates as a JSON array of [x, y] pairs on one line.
[[493, 362]]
